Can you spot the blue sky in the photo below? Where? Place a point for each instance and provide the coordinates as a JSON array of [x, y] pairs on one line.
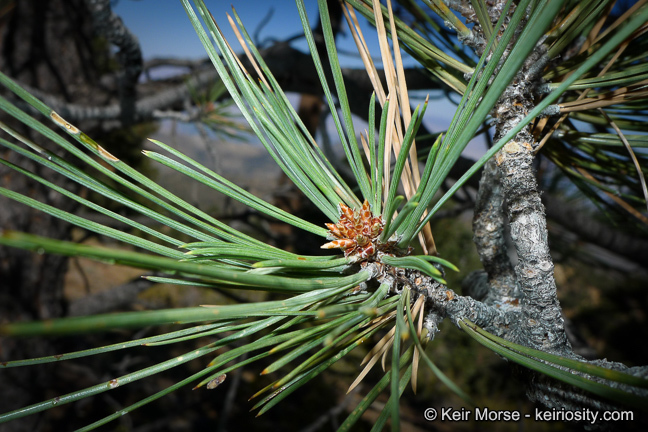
[[163, 28]]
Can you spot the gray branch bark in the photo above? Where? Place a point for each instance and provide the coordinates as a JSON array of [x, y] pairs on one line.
[[542, 325], [489, 225], [509, 187], [537, 322]]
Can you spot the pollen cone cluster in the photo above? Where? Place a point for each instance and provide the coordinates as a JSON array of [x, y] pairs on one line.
[[357, 232]]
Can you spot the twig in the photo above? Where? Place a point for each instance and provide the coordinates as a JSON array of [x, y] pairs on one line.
[[331, 413]]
